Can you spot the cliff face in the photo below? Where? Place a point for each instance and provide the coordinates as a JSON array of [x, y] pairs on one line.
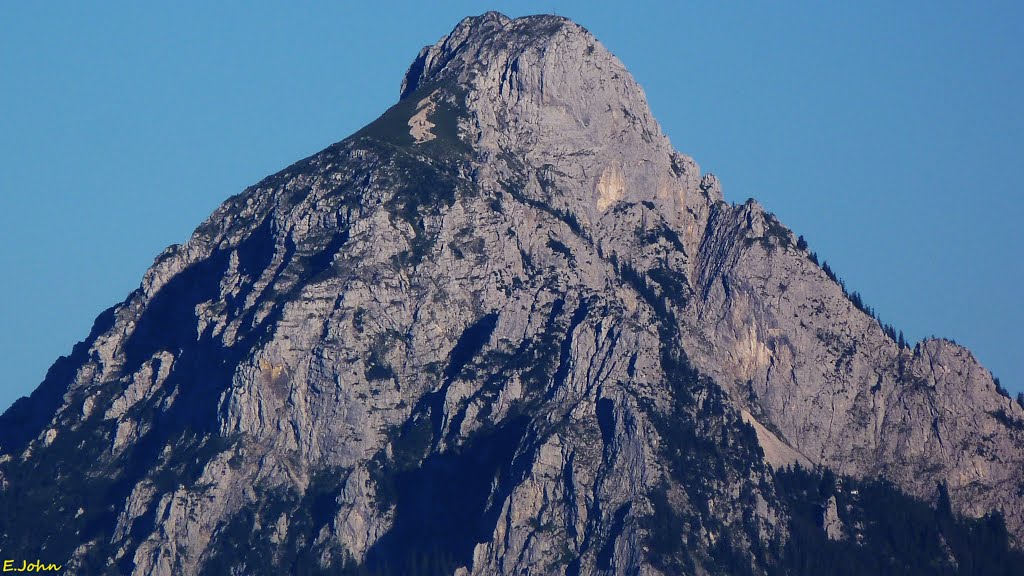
[[503, 329], [783, 338]]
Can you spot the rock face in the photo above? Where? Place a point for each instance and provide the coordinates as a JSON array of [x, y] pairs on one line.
[[504, 329]]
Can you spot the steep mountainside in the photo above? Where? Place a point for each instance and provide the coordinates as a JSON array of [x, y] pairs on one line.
[[506, 329]]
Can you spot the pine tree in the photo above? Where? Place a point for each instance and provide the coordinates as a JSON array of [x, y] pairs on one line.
[[827, 486], [858, 302], [999, 388], [828, 270], [944, 507]]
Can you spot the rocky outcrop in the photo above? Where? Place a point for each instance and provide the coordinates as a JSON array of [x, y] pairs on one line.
[[788, 343], [503, 329]]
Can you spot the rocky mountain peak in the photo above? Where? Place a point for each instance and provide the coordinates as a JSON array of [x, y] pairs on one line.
[[433, 60], [505, 329], [539, 60], [543, 89]]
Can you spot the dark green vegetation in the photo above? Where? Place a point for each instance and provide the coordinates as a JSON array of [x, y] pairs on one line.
[[708, 451], [886, 532], [392, 127]]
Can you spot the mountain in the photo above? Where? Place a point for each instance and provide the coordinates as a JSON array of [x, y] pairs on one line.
[[507, 329]]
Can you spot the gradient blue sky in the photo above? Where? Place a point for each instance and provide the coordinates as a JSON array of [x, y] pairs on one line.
[[889, 135]]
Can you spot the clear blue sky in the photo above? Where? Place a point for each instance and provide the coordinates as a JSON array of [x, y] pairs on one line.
[[890, 134]]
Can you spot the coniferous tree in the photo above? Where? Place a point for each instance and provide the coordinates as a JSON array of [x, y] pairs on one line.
[[828, 270], [857, 302], [827, 486], [944, 507], [801, 244], [999, 388]]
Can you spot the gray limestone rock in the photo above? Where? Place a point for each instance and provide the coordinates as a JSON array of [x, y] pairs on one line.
[[503, 329]]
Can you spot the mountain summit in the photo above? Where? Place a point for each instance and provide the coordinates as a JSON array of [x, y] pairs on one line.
[[507, 329]]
